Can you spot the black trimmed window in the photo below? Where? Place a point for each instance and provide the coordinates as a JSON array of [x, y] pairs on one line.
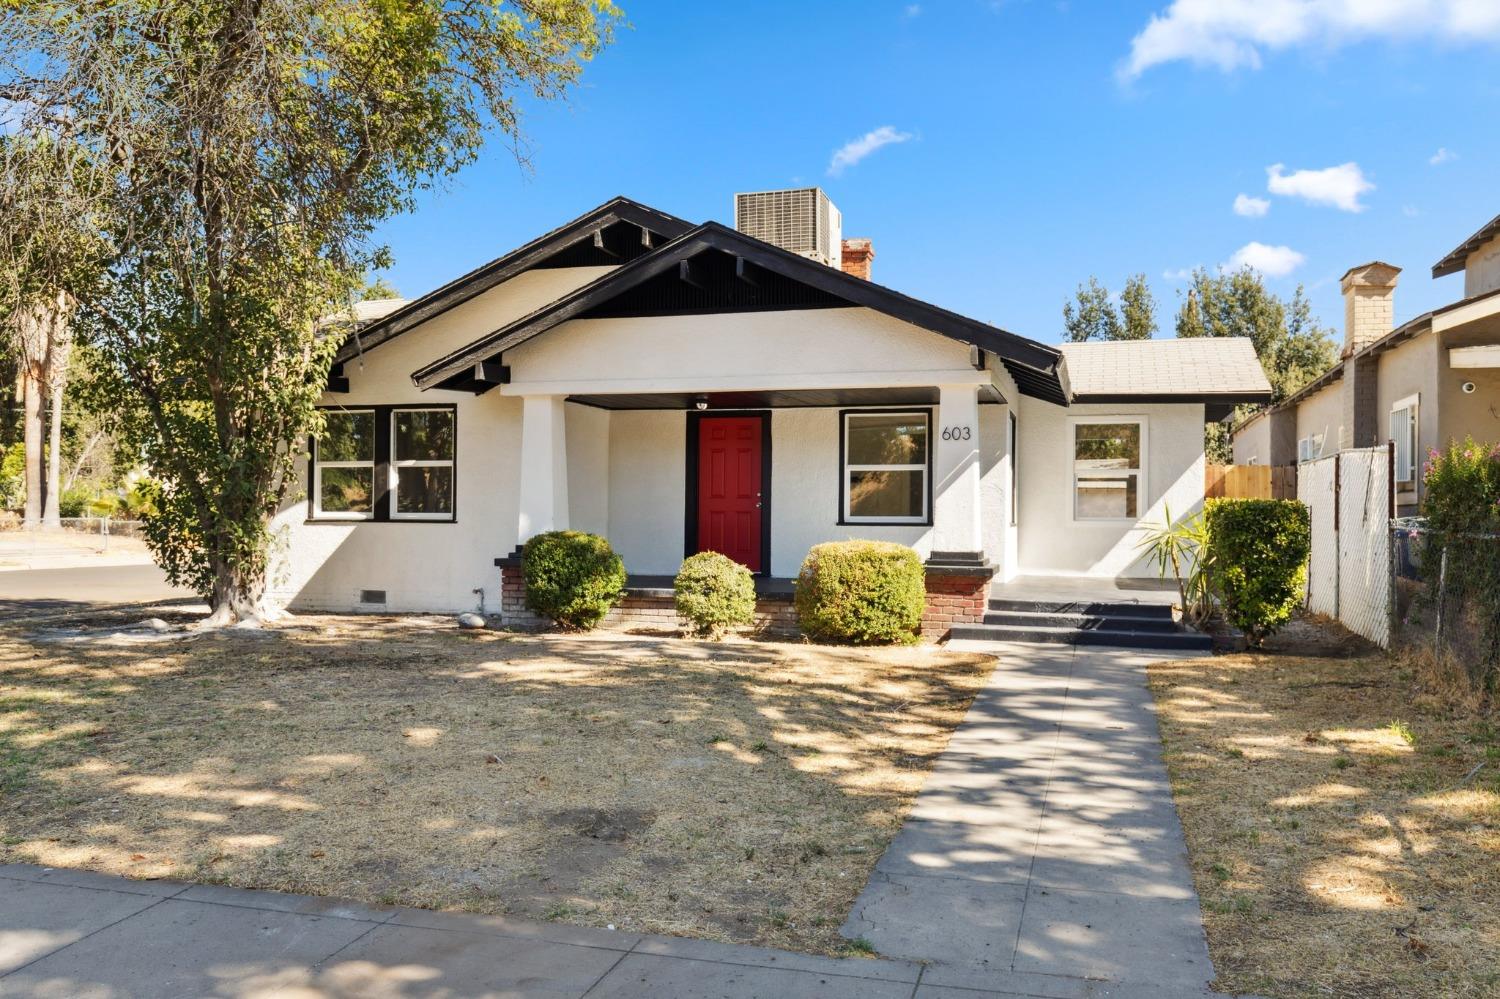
[[385, 463], [343, 475], [422, 464], [886, 473]]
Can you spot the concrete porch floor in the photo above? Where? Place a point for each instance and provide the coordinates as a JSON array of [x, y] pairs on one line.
[[1086, 589]]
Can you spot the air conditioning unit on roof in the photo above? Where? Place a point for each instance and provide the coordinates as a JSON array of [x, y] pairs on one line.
[[802, 220]]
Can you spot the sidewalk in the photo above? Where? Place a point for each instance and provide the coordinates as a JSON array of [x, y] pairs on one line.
[[78, 934]]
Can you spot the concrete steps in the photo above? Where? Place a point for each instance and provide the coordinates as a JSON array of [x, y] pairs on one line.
[[1129, 625]]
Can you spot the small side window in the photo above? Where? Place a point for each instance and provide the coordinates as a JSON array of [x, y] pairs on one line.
[[1108, 470]]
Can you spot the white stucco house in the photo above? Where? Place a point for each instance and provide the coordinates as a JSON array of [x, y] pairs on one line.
[[678, 387]]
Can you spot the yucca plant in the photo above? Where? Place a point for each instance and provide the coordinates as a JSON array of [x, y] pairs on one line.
[[1181, 548]]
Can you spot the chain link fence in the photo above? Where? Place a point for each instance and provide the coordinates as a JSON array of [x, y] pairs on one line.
[[74, 533], [1447, 602], [1349, 572]]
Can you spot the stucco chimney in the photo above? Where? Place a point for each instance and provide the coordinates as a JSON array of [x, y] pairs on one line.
[[857, 254], [1369, 304]]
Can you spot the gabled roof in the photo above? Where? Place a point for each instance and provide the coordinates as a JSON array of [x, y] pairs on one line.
[[571, 244], [1036, 368], [1454, 262]]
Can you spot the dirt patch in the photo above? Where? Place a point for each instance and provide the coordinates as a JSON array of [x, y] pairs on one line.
[[738, 791], [1344, 840]]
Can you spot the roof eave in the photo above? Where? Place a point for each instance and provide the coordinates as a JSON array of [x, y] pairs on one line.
[[503, 268]]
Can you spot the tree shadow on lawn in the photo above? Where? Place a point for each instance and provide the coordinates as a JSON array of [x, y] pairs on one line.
[[740, 791]]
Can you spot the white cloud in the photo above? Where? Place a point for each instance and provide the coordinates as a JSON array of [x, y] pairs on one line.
[[1251, 208], [1339, 186], [1272, 261], [1443, 155], [1233, 34], [855, 150]]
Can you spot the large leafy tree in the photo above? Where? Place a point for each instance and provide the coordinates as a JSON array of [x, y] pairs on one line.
[[1091, 313], [251, 147], [1137, 309], [50, 245], [1293, 348]]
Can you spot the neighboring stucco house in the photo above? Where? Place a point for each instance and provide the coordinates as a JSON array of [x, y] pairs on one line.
[[676, 387], [1421, 384]]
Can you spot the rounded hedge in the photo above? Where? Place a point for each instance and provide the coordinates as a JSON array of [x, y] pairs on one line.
[[862, 591], [714, 593], [1259, 549], [572, 577]]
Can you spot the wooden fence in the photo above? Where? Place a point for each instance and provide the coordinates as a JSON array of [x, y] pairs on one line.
[[1250, 481]]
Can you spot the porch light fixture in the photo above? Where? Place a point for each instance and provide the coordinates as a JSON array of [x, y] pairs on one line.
[[700, 402]]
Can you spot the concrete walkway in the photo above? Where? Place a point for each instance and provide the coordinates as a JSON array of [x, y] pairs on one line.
[[1044, 855]]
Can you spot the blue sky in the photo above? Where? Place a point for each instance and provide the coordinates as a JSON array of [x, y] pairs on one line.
[[1037, 142]]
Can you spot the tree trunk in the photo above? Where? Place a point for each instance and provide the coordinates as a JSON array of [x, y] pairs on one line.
[[32, 421], [52, 506], [238, 598]]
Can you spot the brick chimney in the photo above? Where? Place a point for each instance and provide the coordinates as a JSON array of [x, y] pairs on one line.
[[857, 254], [1369, 304]]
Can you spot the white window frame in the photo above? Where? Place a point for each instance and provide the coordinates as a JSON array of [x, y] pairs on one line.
[[925, 415], [1411, 405], [319, 465], [1142, 497], [396, 466]]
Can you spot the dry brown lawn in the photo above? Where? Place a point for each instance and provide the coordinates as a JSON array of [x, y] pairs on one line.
[[739, 791], [1344, 836]]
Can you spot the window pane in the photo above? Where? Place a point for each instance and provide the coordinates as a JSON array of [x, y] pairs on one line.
[[424, 435], [887, 439], [346, 490], [424, 490], [348, 437], [1107, 497], [886, 494], [1107, 445]]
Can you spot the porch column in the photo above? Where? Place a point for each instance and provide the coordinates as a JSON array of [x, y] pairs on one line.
[[955, 514], [958, 576], [544, 466]]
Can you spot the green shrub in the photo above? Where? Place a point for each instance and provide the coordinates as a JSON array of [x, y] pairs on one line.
[[862, 591], [714, 592], [1259, 549], [572, 578]]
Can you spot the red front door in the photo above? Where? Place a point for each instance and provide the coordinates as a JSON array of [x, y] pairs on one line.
[[729, 487]]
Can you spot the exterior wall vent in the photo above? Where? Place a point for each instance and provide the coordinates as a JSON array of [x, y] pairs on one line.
[[372, 596], [801, 220]]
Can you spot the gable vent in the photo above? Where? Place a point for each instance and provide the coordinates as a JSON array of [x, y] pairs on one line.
[[801, 220]]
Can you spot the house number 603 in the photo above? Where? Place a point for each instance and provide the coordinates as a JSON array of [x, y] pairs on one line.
[[956, 433]]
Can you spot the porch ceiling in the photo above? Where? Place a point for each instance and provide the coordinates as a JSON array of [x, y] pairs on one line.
[[779, 399]]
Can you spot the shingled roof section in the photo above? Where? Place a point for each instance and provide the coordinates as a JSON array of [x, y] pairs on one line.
[[1218, 370]]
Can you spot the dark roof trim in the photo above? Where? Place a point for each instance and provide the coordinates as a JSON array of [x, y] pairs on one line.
[[1234, 398], [1454, 262], [502, 269], [1036, 367]]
